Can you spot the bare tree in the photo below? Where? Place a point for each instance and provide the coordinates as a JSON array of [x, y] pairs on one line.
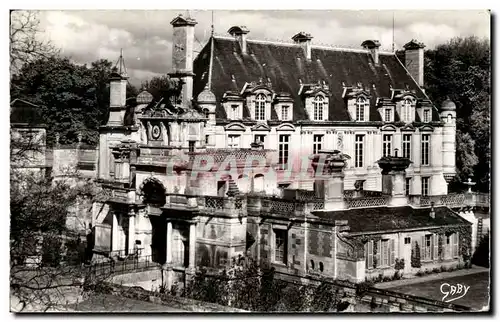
[[26, 42]]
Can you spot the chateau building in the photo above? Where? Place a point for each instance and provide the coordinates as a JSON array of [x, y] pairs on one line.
[[310, 159]]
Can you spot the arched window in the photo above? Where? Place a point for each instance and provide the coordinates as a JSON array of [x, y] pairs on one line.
[[406, 110], [258, 183], [260, 107], [312, 264], [449, 118], [318, 108], [321, 266], [361, 103], [153, 192], [205, 112]]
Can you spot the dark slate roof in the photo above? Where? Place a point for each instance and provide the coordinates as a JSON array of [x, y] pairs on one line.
[[284, 64], [393, 218]]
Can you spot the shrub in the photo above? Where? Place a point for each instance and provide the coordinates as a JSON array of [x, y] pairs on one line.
[[436, 270], [443, 268], [415, 256], [420, 273]]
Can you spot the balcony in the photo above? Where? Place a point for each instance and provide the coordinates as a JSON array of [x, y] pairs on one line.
[[452, 200]]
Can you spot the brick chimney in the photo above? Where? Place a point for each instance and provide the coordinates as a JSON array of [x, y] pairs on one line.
[[304, 40], [394, 178], [414, 60], [240, 33], [373, 47], [329, 172]]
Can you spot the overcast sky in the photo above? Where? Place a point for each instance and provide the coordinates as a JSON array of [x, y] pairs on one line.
[[145, 36]]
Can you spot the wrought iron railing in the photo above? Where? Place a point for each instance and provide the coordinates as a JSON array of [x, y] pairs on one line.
[[214, 203], [367, 202]]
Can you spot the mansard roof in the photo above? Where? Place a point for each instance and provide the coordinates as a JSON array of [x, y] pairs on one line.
[[380, 219], [286, 67]]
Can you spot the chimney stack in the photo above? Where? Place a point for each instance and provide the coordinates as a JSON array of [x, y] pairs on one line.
[[304, 40], [182, 55], [414, 60], [240, 33], [373, 46], [393, 179], [329, 173]]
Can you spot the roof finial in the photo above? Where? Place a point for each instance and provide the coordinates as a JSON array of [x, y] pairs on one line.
[[122, 70]]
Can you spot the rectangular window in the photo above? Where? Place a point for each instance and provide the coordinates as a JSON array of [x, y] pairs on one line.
[[280, 246], [406, 114], [387, 145], [427, 116], [407, 186], [234, 112], [425, 149], [191, 146], [318, 112], [454, 246], [360, 113], [284, 140], [407, 240], [407, 146], [317, 143], [234, 141], [385, 253], [207, 139], [284, 113], [260, 138], [388, 116], [425, 186], [427, 247], [359, 146], [369, 254]]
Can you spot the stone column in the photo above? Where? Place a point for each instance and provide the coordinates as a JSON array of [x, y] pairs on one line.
[[131, 232], [114, 233], [169, 244], [192, 246], [167, 268]]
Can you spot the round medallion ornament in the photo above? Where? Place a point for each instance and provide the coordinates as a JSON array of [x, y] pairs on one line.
[[156, 132]]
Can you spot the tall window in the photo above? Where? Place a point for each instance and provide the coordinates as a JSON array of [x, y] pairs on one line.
[[280, 245], [406, 109], [361, 103], [359, 145], [387, 115], [387, 145], [207, 139], [317, 143], [191, 146], [385, 255], [284, 112], [427, 116], [427, 247], [205, 112], [454, 245], [408, 186], [284, 140], [260, 107], [234, 112], [425, 149], [234, 141], [407, 146], [318, 108], [425, 186]]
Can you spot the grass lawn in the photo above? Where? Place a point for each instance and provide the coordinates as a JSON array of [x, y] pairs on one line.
[[477, 296], [110, 303]]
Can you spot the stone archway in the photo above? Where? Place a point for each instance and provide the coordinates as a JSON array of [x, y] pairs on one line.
[[152, 192]]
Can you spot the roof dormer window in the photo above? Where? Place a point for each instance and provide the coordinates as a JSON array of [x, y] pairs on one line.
[[406, 111], [318, 108], [361, 104], [285, 112], [427, 115], [260, 107], [388, 115]]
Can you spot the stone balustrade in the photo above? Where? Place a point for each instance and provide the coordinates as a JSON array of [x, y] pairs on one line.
[[451, 200]]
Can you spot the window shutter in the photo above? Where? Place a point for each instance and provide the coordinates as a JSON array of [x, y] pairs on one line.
[[379, 250], [423, 248], [391, 258], [370, 254], [455, 244], [435, 246]]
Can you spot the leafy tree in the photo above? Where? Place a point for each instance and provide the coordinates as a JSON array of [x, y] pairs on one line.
[[74, 99], [481, 256], [460, 69], [157, 86]]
